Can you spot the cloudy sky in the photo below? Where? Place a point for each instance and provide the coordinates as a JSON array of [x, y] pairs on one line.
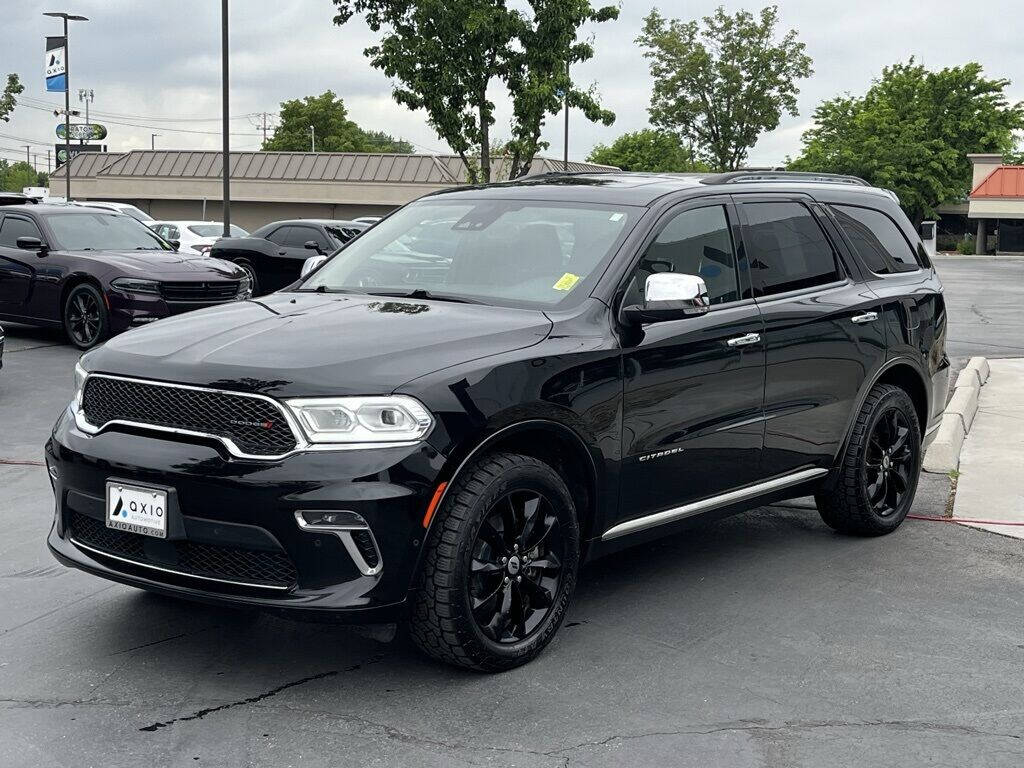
[[155, 65]]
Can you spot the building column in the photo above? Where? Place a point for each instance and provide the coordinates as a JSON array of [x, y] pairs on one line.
[[979, 244]]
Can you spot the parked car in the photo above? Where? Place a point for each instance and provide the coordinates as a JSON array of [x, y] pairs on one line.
[[367, 219], [608, 357], [16, 198], [194, 236], [273, 255], [95, 273], [129, 210], [1, 346]]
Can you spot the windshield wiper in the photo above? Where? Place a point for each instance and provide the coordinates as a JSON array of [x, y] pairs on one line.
[[423, 293]]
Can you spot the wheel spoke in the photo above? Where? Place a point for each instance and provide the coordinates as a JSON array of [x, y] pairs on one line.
[[900, 482], [531, 514], [550, 521], [484, 566], [493, 537], [539, 596], [549, 562]]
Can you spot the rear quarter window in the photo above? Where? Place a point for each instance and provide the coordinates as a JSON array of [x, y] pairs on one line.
[[877, 239]]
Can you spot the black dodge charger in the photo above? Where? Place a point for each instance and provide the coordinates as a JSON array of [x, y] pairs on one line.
[[603, 359], [96, 273]]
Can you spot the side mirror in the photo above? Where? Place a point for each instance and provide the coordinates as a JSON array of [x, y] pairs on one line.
[[32, 244], [669, 296], [175, 244], [312, 263], [312, 245]]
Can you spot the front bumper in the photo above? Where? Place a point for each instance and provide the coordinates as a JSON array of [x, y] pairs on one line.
[[232, 533], [132, 310]]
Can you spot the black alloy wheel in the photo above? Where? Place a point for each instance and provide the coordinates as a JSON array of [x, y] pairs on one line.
[[499, 566], [516, 568], [871, 491], [86, 320], [889, 463]]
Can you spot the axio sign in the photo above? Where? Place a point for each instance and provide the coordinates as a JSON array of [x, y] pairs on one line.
[[56, 64]]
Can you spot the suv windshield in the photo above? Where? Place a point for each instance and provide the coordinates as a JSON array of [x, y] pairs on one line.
[[528, 253], [102, 232]]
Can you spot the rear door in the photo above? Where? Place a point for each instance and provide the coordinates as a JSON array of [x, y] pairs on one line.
[[17, 266], [822, 330], [693, 388]]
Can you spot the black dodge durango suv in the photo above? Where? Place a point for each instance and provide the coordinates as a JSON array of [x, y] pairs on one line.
[[495, 383]]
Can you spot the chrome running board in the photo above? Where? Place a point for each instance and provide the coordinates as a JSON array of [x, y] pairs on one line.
[[705, 505]]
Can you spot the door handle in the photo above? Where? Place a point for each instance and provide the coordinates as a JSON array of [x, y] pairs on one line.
[[867, 317], [745, 340]]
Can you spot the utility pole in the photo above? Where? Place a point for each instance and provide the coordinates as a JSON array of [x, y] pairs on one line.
[[226, 160], [312, 139], [47, 162], [67, 93], [264, 127], [152, 140], [28, 159], [565, 157]]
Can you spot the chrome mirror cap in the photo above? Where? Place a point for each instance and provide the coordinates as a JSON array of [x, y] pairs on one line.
[[670, 296], [311, 264]]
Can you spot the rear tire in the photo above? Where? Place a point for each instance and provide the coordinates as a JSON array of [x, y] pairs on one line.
[[873, 489], [253, 280], [500, 566]]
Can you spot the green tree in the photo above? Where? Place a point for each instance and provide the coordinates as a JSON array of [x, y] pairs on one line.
[[647, 150], [911, 132], [8, 98], [18, 176], [446, 55], [332, 130], [721, 85]]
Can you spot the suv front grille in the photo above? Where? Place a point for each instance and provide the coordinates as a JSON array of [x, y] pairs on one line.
[[256, 426], [191, 558], [221, 290]]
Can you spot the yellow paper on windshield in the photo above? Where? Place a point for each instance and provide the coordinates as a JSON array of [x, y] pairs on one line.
[[566, 282]]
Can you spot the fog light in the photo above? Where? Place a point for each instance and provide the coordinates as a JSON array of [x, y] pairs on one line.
[[330, 519]]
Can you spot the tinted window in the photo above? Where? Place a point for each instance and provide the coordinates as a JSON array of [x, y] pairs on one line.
[[279, 235], [525, 253], [877, 239], [786, 248], [12, 229], [695, 242], [298, 237]]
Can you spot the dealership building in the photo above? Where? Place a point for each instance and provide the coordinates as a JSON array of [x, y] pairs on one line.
[[270, 186], [996, 205]]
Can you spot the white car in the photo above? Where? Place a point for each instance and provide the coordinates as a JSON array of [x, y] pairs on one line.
[[194, 236], [130, 210], [368, 219]]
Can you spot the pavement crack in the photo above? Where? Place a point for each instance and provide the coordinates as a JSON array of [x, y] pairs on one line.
[[201, 713]]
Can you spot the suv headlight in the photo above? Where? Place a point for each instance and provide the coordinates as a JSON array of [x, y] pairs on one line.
[[80, 375], [387, 419], [135, 285]]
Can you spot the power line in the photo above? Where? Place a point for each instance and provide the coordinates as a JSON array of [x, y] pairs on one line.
[[28, 100]]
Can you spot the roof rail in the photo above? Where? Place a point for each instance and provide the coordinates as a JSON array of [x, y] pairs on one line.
[[739, 177]]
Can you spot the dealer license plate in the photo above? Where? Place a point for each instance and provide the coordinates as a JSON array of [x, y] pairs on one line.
[[137, 510]]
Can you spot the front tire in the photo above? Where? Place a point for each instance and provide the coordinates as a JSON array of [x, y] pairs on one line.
[[500, 566], [874, 487], [86, 320]]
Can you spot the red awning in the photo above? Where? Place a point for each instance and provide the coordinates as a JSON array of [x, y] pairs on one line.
[[1004, 181]]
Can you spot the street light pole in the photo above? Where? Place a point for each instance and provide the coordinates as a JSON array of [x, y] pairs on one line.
[[152, 140], [226, 161], [312, 139], [67, 94]]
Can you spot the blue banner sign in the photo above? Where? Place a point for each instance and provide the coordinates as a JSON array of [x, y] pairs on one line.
[[56, 64]]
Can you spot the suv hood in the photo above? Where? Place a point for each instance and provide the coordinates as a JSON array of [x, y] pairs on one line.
[[307, 345], [183, 266]]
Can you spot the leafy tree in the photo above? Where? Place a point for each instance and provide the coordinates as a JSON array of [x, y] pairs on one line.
[[378, 141], [647, 150], [18, 176], [721, 85], [8, 98], [911, 132], [333, 131], [446, 55]]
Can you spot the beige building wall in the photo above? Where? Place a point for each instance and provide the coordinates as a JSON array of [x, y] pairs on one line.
[[251, 215]]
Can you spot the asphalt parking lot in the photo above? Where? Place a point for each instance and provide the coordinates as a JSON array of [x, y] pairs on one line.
[[762, 640]]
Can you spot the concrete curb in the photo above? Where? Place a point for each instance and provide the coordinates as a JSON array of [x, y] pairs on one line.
[[943, 454]]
